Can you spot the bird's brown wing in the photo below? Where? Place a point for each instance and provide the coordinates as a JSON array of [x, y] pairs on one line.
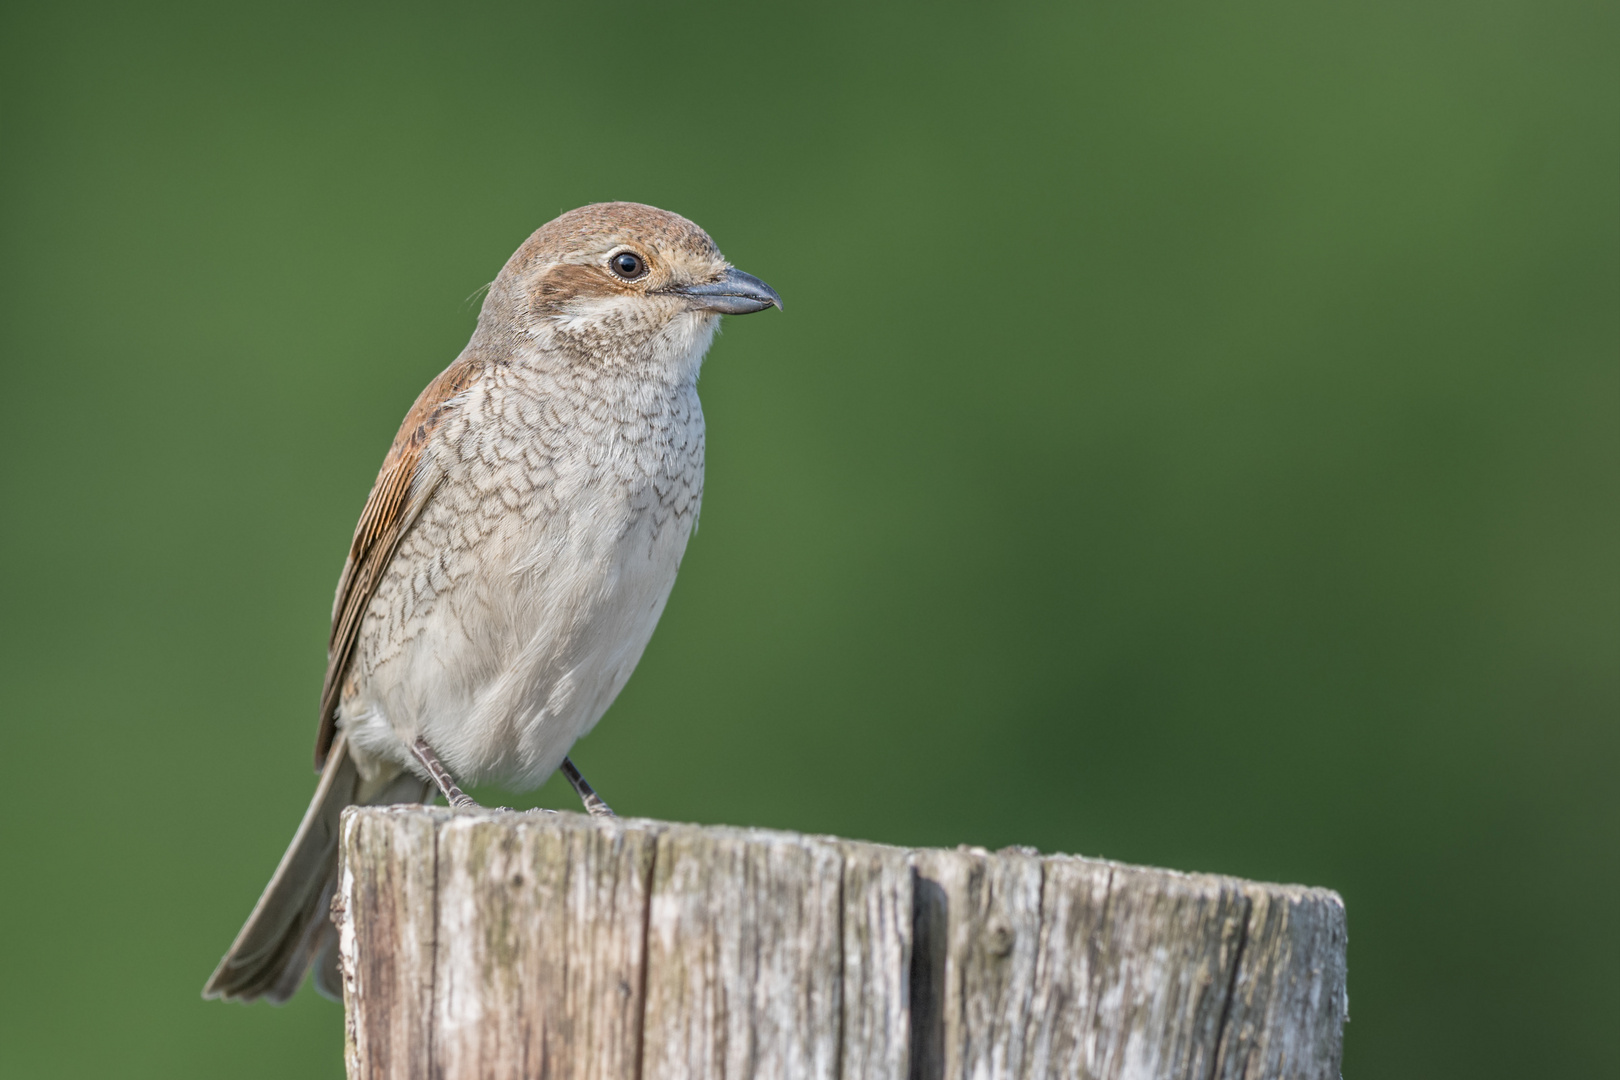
[[402, 489]]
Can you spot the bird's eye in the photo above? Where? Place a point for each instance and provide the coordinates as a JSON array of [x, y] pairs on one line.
[[628, 265]]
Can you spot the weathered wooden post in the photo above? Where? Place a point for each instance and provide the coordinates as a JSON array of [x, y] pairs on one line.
[[493, 944]]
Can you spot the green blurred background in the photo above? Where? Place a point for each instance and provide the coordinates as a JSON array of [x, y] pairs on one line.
[[1193, 438]]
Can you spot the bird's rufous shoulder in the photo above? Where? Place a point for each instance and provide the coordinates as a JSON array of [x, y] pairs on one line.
[[396, 497]]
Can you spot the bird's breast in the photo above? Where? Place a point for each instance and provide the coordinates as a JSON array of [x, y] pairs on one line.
[[521, 600]]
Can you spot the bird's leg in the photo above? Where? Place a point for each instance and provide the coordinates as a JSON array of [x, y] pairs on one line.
[[441, 775], [594, 805]]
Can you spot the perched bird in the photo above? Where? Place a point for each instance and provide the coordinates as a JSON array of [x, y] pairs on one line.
[[515, 552]]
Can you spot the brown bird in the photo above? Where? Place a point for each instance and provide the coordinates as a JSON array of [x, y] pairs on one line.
[[515, 552]]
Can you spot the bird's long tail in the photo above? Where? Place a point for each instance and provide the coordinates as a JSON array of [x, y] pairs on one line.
[[290, 928]]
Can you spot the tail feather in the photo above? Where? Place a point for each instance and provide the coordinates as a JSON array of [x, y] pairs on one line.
[[290, 926]]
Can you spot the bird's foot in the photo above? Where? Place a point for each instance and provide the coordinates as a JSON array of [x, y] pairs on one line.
[[458, 799], [595, 805]]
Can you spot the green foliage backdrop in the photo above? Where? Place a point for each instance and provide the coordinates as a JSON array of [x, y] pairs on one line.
[[1191, 438]]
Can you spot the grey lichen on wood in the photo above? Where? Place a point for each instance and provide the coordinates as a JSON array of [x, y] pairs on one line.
[[496, 944]]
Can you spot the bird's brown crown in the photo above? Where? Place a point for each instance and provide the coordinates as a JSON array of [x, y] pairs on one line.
[[607, 224]]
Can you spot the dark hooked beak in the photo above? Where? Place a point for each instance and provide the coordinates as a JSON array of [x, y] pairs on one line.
[[736, 293]]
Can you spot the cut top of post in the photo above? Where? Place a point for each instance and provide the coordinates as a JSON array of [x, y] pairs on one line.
[[501, 944]]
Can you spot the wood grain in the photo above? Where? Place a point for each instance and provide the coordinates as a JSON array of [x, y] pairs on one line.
[[496, 944], [540, 950], [744, 971], [877, 957], [384, 910]]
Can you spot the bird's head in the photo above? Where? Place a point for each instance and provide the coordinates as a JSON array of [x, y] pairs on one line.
[[620, 283]]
